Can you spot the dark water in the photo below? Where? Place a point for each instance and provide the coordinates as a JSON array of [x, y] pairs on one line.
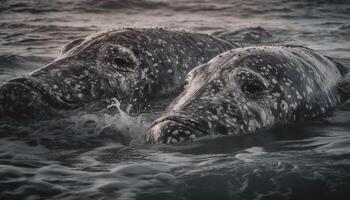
[[88, 155]]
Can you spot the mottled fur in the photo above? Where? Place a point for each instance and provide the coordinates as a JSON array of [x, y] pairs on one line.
[[247, 89], [132, 65]]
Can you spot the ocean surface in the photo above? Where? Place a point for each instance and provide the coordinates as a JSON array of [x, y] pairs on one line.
[[99, 155]]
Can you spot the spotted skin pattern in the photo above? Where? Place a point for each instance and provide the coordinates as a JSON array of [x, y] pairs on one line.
[[133, 65], [246, 89]]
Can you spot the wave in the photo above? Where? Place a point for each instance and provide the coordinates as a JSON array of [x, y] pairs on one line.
[[17, 60], [95, 5], [80, 128], [28, 6], [294, 9], [247, 36], [41, 6], [12, 65]]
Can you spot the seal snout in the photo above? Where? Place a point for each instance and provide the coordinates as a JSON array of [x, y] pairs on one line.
[[19, 100], [173, 130]]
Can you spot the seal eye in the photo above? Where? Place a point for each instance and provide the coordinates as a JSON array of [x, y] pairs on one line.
[[120, 62], [119, 58], [253, 88], [251, 83], [122, 65]]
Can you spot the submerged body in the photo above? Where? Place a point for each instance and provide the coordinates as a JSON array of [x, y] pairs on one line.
[[132, 65], [247, 89]]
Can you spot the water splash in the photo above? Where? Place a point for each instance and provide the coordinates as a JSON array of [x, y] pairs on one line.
[[130, 127]]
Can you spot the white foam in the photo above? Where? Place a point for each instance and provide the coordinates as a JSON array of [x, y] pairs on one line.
[[130, 127]]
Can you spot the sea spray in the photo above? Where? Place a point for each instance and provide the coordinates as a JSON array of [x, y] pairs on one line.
[[132, 128]]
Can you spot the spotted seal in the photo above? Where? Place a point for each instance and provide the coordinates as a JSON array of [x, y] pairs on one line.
[[247, 89], [132, 65]]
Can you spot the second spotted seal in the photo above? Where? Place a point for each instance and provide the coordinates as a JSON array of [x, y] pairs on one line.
[[247, 89]]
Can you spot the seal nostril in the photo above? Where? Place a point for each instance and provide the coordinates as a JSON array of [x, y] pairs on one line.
[[170, 131], [19, 101]]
